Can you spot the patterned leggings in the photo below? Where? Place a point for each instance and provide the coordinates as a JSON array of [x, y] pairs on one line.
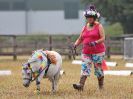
[[96, 59]]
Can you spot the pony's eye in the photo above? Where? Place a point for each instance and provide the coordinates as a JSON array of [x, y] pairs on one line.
[[25, 68]]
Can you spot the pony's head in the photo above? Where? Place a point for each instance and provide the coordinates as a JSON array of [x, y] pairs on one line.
[[32, 68]]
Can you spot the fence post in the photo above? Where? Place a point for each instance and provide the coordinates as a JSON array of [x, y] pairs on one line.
[[14, 48], [50, 42], [122, 46], [108, 46], [69, 42]]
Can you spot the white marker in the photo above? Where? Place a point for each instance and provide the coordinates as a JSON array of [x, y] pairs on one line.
[[5, 72]]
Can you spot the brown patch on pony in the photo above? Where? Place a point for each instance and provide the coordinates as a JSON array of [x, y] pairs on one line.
[[51, 56]]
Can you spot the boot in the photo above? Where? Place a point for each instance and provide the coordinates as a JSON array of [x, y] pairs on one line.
[[80, 86], [101, 82]]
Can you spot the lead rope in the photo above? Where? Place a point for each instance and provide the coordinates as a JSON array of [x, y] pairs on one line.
[[38, 74]]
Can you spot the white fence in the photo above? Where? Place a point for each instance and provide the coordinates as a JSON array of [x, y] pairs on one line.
[[52, 22], [128, 48]]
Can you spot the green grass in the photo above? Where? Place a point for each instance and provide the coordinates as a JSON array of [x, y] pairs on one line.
[[116, 87]]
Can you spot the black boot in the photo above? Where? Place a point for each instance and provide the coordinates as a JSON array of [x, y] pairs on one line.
[[101, 82], [80, 86]]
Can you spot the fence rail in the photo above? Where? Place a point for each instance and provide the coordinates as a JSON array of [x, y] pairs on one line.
[[12, 45]]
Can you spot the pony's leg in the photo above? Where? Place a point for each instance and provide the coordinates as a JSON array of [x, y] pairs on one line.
[[55, 81], [53, 85], [38, 85], [57, 77]]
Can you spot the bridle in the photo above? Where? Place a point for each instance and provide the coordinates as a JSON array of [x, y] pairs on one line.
[[31, 79]]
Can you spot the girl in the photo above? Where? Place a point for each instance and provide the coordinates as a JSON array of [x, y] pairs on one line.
[[92, 38]]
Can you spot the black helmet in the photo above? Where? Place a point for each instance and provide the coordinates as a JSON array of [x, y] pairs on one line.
[[91, 12]]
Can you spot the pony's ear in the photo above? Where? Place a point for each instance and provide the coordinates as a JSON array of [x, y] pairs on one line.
[[24, 65], [28, 65]]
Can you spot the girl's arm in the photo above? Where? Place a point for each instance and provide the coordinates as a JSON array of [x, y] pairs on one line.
[[79, 40]]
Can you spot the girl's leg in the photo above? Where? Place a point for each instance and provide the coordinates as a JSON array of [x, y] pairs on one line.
[[85, 71], [97, 60]]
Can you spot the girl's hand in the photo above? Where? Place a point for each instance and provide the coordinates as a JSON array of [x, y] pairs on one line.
[[74, 46], [93, 43]]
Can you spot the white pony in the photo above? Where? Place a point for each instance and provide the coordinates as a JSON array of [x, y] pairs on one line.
[[42, 64]]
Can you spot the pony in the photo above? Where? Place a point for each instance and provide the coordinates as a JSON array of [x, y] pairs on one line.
[[42, 64]]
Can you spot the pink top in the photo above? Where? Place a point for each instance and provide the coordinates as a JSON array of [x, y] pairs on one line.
[[90, 36]]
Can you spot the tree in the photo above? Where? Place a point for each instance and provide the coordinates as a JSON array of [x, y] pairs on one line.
[[115, 11]]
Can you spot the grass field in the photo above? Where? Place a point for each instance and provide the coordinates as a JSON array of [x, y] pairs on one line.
[[116, 87]]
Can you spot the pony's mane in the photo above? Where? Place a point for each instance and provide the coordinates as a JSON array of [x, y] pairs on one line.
[[37, 54], [40, 55]]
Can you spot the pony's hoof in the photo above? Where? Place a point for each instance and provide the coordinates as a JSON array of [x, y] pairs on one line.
[[37, 92], [53, 92]]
